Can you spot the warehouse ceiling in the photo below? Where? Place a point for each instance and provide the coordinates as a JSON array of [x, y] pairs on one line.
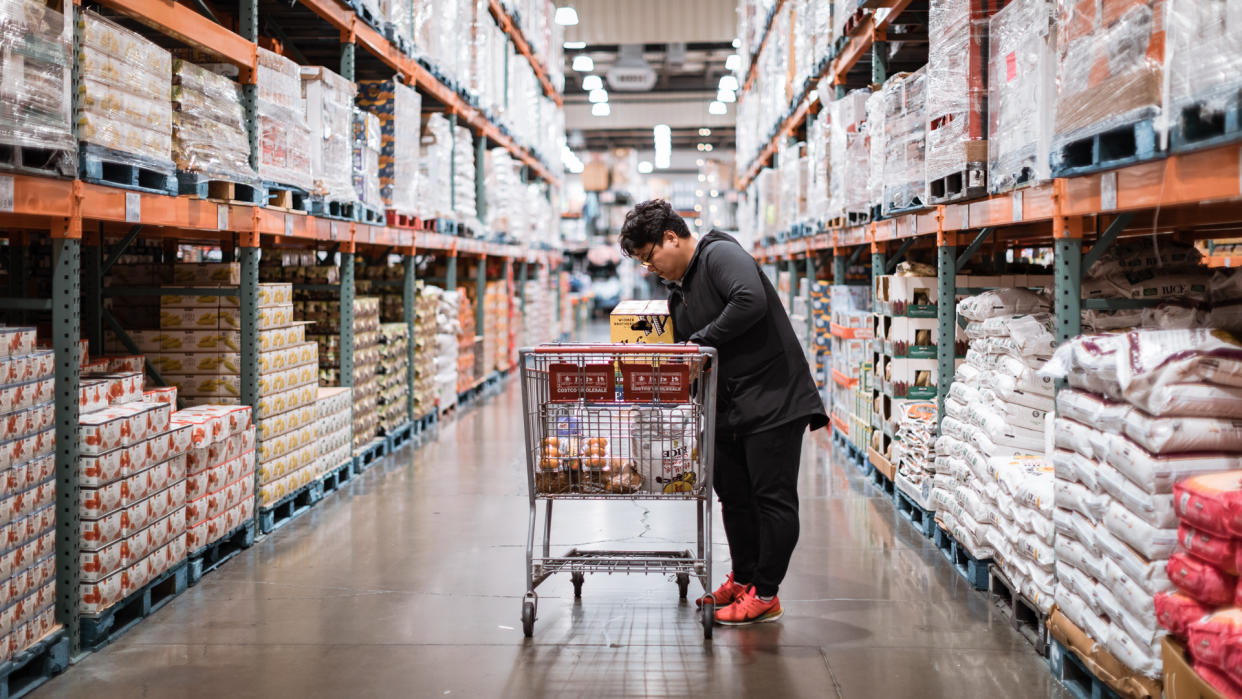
[[660, 63]]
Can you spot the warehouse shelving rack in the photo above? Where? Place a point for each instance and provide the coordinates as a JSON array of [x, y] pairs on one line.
[[79, 219]]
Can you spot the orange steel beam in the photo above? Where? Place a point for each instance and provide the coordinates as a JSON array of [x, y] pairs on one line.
[[192, 29], [523, 46]]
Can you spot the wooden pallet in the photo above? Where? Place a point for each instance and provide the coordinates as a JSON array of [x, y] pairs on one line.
[[1023, 614], [219, 189], [970, 183], [972, 569], [29, 669], [221, 551], [289, 507], [1116, 147], [338, 209], [98, 630], [1070, 671], [336, 478], [1206, 123], [30, 160], [294, 200], [105, 166], [914, 513], [399, 437], [366, 455]]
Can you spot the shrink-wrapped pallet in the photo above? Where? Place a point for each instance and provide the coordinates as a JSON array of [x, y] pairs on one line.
[[1021, 86], [209, 131], [329, 115], [399, 110], [284, 137], [34, 79]]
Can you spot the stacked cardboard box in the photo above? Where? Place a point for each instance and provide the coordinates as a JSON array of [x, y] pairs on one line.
[[329, 114], [366, 369], [466, 375], [219, 475], [496, 333], [28, 492], [133, 464], [426, 307], [208, 122], [394, 390], [124, 100], [399, 110], [34, 99], [333, 429]]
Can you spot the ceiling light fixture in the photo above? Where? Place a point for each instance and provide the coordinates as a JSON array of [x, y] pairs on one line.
[[573, 45], [663, 146], [733, 62], [737, 43], [600, 109], [598, 96], [592, 82], [728, 82], [566, 16], [726, 96], [583, 64], [717, 108], [644, 167]]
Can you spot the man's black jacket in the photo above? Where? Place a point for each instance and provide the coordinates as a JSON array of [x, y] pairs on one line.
[[725, 301]]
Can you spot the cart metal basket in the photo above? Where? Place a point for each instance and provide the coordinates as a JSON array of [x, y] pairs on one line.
[[618, 422]]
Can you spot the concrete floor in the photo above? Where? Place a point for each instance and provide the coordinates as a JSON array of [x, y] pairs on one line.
[[409, 583]]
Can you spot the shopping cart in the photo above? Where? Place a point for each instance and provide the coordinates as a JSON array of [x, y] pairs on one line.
[[618, 422]]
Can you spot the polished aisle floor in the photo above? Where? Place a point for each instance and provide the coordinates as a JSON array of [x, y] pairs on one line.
[[409, 583]]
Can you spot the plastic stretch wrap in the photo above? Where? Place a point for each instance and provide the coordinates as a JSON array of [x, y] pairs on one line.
[[367, 139], [399, 14], [504, 189], [905, 178], [957, 88], [329, 115], [463, 174], [1021, 83], [791, 205], [434, 198], [34, 76], [284, 137], [877, 137], [803, 53], [842, 11], [209, 130], [850, 155], [1204, 58], [124, 96], [399, 109], [819, 167], [1110, 64]]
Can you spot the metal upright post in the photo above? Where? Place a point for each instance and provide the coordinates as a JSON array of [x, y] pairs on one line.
[[810, 316], [349, 56], [480, 188], [66, 329], [1067, 265], [946, 313], [839, 268], [347, 318], [792, 268], [92, 291], [450, 271], [408, 306], [248, 292], [19, 262], [248, 27], [879, 62]]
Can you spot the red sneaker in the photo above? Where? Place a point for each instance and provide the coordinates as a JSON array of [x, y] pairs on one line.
[[749, 609], [725, 594]]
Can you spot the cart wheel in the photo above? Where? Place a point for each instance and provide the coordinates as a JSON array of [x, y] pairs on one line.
[[708, 611], [528, 618], [577, 579], [683, 584]]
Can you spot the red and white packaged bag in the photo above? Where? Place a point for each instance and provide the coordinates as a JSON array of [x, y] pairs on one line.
[[1176, 611], [1219, 551], [1221, 681], [1211, 503], [1208, 636]]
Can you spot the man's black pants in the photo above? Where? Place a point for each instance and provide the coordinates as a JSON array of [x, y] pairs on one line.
[[756, 478]]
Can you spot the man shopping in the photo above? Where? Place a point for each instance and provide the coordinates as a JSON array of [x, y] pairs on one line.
[[766, 398]]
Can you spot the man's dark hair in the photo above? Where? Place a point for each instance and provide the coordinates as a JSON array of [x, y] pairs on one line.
[[645, 225]]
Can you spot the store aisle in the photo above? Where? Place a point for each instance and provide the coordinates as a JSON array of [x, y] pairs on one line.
[[409, 584]]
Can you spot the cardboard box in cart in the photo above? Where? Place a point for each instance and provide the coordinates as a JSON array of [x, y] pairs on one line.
[[641, 322]]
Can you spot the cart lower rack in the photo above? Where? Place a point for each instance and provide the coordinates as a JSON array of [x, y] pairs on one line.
[[618, 422]]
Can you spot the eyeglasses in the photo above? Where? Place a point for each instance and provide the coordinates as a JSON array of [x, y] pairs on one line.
[[645, 260]]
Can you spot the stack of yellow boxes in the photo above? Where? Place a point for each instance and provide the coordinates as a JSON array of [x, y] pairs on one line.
[[333, 431]]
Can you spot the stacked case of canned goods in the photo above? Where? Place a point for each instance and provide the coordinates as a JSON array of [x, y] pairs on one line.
[[394, 390], [28, 495]]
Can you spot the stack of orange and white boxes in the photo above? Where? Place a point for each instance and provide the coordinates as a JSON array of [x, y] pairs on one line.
[[27, 492], [219, 472], [333, 428], [132, 470]]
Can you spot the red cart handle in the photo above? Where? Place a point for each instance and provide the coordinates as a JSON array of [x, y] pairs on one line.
[[617, 349]]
